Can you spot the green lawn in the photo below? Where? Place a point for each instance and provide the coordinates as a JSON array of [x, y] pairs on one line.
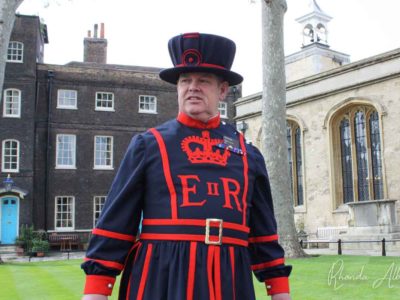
[[323, 277]]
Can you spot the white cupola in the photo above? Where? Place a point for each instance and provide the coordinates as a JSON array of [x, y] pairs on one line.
[[314, 25]]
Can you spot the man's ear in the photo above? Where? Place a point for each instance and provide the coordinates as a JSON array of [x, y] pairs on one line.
[[224, 89]]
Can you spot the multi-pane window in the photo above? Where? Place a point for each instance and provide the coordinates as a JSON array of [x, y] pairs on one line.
[[147, 104], [66, 151], [293, 134], [223, 109], [15, 52], [12, 103], [67, 99], [104, 101], [10, 156], [98, 204], [103, 152], [359, 172], [64, 212]]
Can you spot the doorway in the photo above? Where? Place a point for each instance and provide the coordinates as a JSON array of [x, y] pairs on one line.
[[9, 219]]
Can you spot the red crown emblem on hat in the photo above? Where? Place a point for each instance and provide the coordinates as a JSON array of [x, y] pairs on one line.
[[203, 150]]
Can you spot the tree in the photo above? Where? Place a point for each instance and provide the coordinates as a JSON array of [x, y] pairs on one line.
[[7, 17], [274, 144]]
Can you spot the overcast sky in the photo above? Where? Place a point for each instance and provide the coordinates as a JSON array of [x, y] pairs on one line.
[[138, 30]]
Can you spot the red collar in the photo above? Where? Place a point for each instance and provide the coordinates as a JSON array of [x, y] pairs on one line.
[[190, 122]]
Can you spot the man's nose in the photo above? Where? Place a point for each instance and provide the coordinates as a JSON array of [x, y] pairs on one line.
[[194, 85]]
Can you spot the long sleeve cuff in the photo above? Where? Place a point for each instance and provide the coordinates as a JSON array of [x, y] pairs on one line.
[[277, 285], [98, 284]]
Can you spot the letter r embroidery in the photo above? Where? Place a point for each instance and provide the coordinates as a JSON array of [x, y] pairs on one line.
[[228, 192]]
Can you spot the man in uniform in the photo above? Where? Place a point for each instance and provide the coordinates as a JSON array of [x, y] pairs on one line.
[[208, 218]]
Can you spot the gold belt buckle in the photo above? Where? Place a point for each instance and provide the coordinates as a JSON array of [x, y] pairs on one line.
[[207, 239]]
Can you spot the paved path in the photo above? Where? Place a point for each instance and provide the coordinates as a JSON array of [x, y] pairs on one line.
[[11, 257]]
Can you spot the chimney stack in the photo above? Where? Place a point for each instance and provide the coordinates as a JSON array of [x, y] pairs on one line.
[[102, 30], [95, 48]]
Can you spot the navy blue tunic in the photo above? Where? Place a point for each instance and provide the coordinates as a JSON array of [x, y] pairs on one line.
[[208, 218]]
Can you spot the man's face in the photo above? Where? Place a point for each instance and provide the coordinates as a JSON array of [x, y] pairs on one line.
[[199, 94]]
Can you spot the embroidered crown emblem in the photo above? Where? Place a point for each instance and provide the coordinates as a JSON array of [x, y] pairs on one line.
[[200, 150]]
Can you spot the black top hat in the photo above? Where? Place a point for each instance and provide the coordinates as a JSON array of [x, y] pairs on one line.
[[199, 52]]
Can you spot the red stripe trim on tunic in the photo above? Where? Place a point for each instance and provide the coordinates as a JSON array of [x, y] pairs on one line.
[[210, 257], [107, 263], [272, 263], [217, 273], [194, 222], [263, 239], [245, 177], [113, 235], [190, 237], [130, 251], [191, 271], [232, 256], [167, 171], [145, 272], [139, 245]]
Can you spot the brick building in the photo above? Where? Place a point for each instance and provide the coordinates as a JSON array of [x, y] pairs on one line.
[[65, 128]]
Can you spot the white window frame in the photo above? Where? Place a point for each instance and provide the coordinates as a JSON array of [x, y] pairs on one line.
[[101, 151], [68, 96], [223, 109], [71, 200], [15, 52], [13, 100], [144, 100], [102, 108], [16, 157], [98, 205], [73, 151]]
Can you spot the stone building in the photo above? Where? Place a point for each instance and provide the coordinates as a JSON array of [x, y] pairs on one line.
[[65, 128], [342, 136]]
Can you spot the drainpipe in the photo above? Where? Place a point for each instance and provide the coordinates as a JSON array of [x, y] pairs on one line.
[[50, 76]]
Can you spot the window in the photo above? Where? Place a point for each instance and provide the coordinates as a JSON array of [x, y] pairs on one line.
[[15, 52], [147, 104], [223, 109], [295, 162], [64, 219], [66, 151], [358, 165], [67, 99], [103, 152], [98, 204], [12, 103], [104, 101], [10, 156]]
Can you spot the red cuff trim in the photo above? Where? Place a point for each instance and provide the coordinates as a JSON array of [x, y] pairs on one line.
[[277, 285], [97, 284], [269, 264]]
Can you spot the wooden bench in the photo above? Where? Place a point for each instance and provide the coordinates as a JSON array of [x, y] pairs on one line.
[[65, 240], [326, 235]]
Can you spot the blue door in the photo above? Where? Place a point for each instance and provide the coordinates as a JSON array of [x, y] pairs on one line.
[[9, 217]]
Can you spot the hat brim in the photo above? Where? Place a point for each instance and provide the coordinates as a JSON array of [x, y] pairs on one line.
[[171, 75]]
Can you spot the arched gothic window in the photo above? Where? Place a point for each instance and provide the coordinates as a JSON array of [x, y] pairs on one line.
[[358, 162], [295, 162]]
